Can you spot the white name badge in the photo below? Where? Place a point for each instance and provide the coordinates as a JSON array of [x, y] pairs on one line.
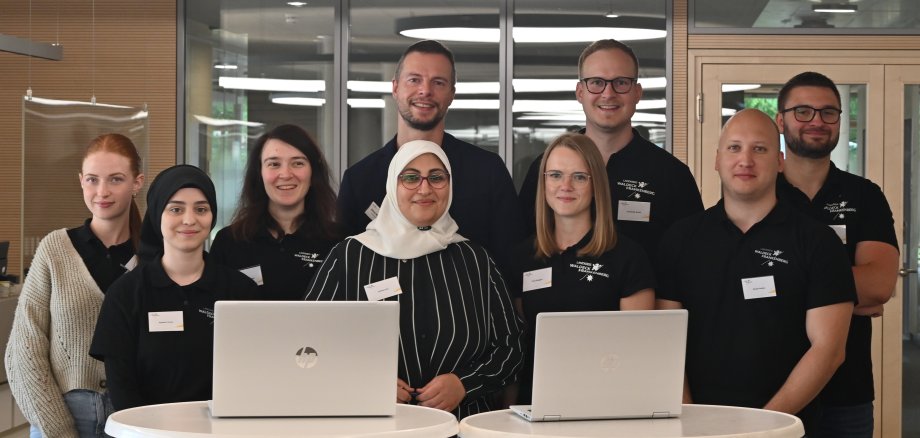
[[165, 321], [131, 263], [254, 273], [539, 279], [372, 211], [758, 287], [383, 289], [636, 211], [841, 231]]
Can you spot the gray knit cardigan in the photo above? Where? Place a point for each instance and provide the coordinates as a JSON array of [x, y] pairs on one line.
[[48, 352]]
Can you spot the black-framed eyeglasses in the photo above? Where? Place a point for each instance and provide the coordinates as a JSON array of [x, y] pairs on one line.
[[578, 178], [412, 180], [805, 113], [621, 85]]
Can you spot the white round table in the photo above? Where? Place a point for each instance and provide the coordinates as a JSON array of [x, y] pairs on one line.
[[695, 421], [193, 419]]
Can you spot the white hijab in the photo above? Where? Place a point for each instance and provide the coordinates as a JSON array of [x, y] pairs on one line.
[[391, 234]]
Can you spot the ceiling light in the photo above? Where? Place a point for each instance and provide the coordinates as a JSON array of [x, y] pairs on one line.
[[366, 103], [225, 66], [532, 28], [727, 88], [265, 84], [226, 122], [298, 100], [834, 8], [297, 4], [610, 14]]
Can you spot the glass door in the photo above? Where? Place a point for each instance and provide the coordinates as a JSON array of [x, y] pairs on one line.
[[868, 147], [902, 152]]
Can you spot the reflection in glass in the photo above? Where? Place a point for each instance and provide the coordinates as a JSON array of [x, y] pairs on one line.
[[813, 16], [546, 74], [911, 256], [374, 50], [849, 155], [251, 66], [54, 136]]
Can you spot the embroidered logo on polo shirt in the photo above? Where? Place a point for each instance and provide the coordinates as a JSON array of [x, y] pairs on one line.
[[639, 189], [209, 313], [590, 270], [770, 256], [309, 259], [839, 209]]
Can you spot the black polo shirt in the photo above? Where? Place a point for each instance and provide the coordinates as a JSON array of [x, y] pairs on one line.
[[144, 367], [286, 264], [858, 210], [639, 173], [105, 265], [579, 283], [484, 204], [740, 351]]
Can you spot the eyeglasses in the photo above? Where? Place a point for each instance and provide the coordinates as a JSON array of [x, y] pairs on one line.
[[621, 85], [805, 113], [412, 180], [578, 178]]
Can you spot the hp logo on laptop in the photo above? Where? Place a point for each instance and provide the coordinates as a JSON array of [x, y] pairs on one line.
[[306, 357]]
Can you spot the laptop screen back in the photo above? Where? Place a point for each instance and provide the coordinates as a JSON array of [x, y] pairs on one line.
[[305, 358]]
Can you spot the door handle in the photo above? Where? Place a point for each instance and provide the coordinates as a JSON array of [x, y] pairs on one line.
[[904, 272]]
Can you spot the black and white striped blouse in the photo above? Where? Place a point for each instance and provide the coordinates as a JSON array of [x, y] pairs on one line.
[[455, 314]]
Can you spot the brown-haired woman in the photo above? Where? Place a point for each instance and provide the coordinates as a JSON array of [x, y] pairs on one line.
[[284, 225], [576, 261], [58, 386]]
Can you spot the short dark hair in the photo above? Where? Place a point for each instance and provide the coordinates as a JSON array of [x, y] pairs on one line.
[[609, 44], [806, 79], [318, 218], [431, 47]]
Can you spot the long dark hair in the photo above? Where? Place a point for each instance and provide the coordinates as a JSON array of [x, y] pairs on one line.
[[121, 145], [318, 218]]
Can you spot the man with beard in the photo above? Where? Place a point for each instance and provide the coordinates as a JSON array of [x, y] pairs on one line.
[[809, 119], [483, 202], [649, 187]]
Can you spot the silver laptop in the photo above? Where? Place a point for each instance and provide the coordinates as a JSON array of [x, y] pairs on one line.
[[305, 358], [601, 365]]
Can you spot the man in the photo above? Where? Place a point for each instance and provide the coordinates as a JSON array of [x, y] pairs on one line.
[[484, 203], [769, 290], [809, 118], [650, 188]]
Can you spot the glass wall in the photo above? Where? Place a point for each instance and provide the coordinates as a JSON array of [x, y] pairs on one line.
[[251, 66], [549, 38], [805, 16]]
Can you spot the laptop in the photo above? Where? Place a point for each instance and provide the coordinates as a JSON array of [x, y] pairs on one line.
[[305, 358], [605, 365]]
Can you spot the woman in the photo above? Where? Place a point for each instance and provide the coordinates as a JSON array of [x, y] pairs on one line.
[[58, 386], [576, 261], [284, 225], [459, 336], [155, 329]]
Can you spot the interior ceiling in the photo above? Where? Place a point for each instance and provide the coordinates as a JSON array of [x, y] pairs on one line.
[[278, 39]]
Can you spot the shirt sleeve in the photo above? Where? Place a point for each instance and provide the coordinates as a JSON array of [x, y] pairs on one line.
[[350, 217], [665, 263], [506, 225], [528, 195], [28, 365], [499, 367], [877, 221], [830, 275], [115, 343], [637, 270], [327, 282]]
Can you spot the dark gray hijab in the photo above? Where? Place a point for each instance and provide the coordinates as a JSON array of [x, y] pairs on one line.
[[166, 184]]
